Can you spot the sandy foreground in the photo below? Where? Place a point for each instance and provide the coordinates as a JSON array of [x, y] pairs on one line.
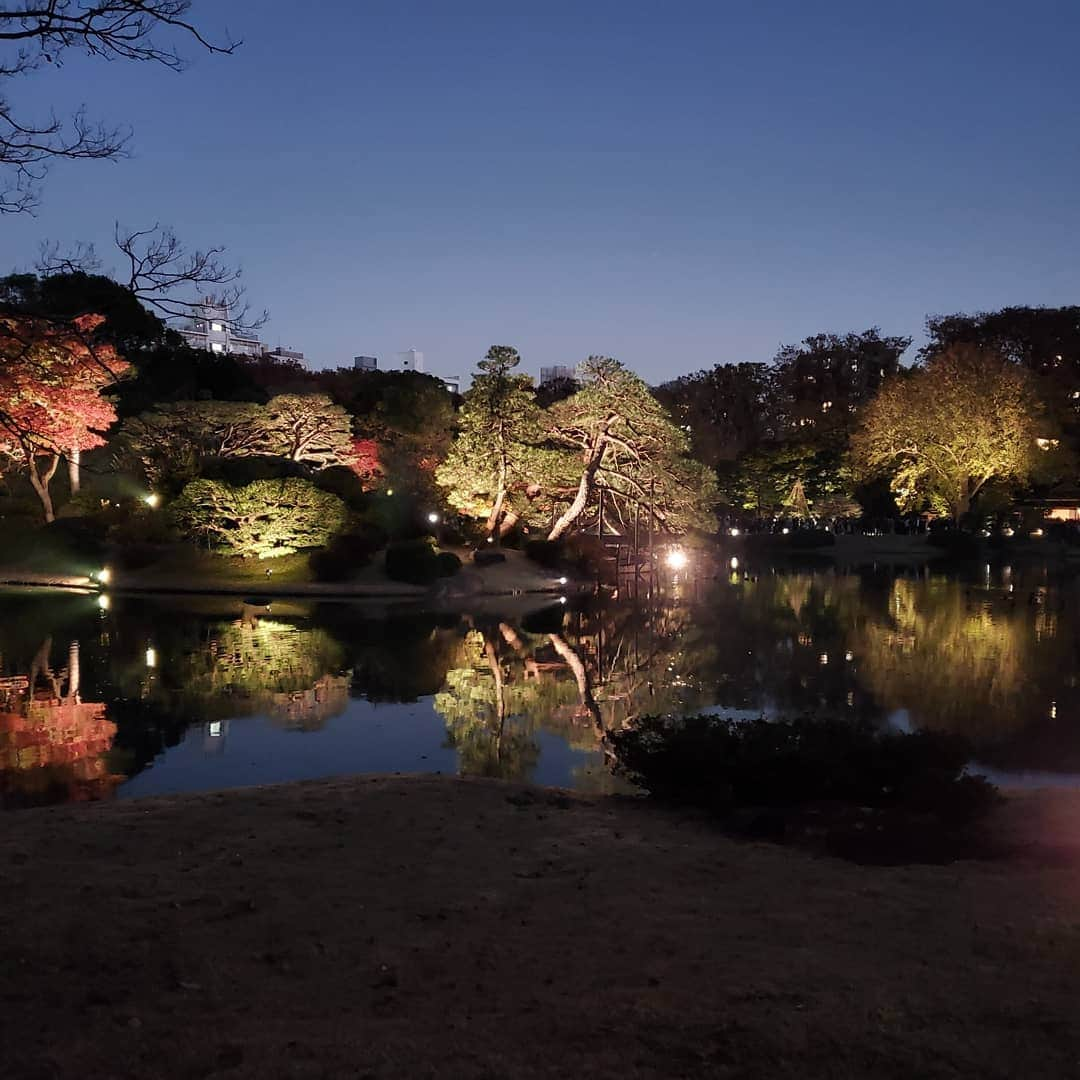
[[422, 927]]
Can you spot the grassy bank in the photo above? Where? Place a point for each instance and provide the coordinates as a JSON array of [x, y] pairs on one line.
[[429, 927]]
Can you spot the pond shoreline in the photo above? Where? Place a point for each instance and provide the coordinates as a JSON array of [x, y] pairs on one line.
[[427, 926]]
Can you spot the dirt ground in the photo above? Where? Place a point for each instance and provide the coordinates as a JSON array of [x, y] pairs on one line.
[[426, 927]]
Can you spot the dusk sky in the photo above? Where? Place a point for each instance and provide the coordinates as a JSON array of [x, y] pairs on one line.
[[672, 184]]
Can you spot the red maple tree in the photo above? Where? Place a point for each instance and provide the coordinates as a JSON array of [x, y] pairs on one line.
[[53, 379]]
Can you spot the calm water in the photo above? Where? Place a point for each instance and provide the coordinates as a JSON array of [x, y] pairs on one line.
[[162, 695]]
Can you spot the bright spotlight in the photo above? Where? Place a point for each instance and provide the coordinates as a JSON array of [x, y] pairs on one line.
[[433, 518], [733, 532], [103, 602], [151, 657], [153, 500], [563, 581], [676, 558], [104, 575], [562, 599]]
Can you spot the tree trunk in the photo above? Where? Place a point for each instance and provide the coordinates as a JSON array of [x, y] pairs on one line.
[[74, 470], [585, 485], [41, 481]]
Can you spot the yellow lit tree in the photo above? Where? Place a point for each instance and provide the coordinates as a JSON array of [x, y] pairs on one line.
[[943, 432]]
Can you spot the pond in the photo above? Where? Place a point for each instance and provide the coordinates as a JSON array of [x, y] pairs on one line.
[[149, 696]]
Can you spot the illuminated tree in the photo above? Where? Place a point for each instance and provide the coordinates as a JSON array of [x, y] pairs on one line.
[[623, 443], [266, 518], [307, 428], [966, 418], [171, 443], [498, 424], [52, 396]]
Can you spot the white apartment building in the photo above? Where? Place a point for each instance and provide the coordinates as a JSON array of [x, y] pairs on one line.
[[211, 328]]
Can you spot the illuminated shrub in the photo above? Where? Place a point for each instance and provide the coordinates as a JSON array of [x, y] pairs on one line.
[[264, 519]]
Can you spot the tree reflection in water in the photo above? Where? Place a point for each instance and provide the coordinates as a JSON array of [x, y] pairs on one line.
[[53, 745], [993, 658]]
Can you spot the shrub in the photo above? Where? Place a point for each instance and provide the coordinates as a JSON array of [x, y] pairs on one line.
[[266, 518], [341, 481], [809, 538], [546, 553], [413, 561], [954, 544], [717, 763], [345, 554], [241, 471], [449, 563]]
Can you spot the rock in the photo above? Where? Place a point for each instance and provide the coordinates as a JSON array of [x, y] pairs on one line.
[[488, 558]]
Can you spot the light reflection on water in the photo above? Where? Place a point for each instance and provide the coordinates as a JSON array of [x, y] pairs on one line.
[[150, 696]]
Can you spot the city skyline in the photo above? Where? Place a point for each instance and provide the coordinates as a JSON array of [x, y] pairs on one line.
[[674, 191]]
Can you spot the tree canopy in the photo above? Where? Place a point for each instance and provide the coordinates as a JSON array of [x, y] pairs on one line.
[[492, 458], [53, 404], [965, 418]]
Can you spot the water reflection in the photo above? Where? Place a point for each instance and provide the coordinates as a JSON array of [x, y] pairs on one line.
[[197, 694]]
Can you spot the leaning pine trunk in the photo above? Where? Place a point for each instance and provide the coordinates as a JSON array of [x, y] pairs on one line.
[[74, 474], [573, 511]]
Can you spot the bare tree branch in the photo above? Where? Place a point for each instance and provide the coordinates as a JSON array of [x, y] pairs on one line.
[[41, 32], [165, 275]]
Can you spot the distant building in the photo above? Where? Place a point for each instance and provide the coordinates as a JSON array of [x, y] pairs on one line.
[[411, 360], [365, 363], [452, 383], [211, 328], [289, 356], [557, 372]]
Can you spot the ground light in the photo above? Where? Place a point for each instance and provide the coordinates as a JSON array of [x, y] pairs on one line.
[[153, 500], [104, 575], [676, 559], [433, 518]]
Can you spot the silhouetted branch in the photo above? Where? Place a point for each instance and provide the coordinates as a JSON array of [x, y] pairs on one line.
[[40, 32]]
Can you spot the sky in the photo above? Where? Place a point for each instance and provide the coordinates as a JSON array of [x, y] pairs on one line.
[[674, 184]]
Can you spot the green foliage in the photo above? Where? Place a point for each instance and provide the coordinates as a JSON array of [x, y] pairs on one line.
[[265, 519], [945, 431], [615, 437], [724, 409], [719, 763], [492, 462], [306, 427]]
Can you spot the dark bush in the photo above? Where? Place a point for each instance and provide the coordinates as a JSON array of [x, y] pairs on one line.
[[136, 556], [84, 536], [809, 538], [487, 557], [341, 481], [720, 764], [546, 553], [413, 561], [587, 554], [548, 620], [239, 472], [347, 553], [449, 563], [954, 544]]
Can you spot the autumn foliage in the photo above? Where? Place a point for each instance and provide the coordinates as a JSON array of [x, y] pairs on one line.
[[53, 381]]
